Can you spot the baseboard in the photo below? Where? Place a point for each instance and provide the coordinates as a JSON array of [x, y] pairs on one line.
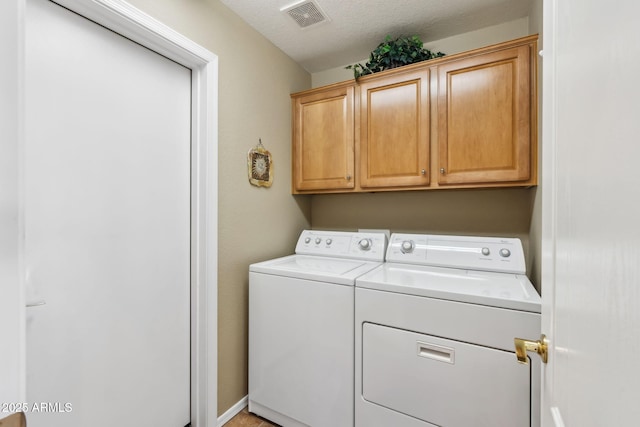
[[233, 411]]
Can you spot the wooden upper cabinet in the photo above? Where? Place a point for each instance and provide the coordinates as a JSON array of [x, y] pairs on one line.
[[484, 118], [394, 130], [323, 139], [467, 120]]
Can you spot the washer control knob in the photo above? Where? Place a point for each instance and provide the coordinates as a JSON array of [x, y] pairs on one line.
[[505, 253], [307, 239], [486, 251], [318, 240], [364, 244], [329, 241], [407, 246]]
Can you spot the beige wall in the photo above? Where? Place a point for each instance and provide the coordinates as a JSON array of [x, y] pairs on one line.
[[255, 80]]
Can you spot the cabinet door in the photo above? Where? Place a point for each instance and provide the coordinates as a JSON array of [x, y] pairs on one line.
[[394, 130], [323, 140], [484, 114]]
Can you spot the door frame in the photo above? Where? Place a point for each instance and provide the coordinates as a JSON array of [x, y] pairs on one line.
[[122, 18], [549, 413]]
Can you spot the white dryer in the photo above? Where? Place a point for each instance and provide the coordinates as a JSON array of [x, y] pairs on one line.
[[435, 329], [301, 336]]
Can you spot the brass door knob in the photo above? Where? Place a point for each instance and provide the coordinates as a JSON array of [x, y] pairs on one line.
[[540, 347]]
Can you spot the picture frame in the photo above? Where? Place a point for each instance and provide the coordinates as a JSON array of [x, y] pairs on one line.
[[260, 166]]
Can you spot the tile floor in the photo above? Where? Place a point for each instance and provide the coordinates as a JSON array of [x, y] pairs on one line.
[[245, 419]]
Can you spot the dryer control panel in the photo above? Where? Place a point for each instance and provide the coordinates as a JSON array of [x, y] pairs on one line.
[[345, 244], [500, 254]]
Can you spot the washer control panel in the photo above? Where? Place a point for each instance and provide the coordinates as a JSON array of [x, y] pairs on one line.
[[500, 254], [346, 244]]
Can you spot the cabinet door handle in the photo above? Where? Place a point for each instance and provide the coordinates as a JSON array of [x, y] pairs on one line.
[[423, 171], [442, 171], [348, 177]]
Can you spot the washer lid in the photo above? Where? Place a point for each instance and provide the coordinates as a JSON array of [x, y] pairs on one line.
[[319, 268], [504, 290]]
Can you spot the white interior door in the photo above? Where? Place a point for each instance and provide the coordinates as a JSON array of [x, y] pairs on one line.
[[107, 227], [591, 238]]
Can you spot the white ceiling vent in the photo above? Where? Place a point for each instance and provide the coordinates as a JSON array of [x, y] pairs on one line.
[[306, 13]]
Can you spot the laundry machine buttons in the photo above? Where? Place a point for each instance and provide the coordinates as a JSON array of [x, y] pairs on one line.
[[364, 244], [407, 246]]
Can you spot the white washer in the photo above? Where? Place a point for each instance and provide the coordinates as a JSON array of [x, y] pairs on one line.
[[301, 337], [434, 335]]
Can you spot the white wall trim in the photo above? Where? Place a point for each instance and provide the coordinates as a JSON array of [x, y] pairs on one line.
[[119, 16], [233, 411]]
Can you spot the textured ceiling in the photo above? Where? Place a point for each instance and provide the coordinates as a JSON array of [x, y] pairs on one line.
[[356, 27]]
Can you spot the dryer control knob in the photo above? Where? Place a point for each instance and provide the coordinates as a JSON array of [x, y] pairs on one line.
[[505, 253], [307, 239], [318, 240], [407, 246], [486, 251], [364, 244], [329, 241]]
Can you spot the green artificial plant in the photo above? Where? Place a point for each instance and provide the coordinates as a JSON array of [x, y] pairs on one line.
[[394, 53]]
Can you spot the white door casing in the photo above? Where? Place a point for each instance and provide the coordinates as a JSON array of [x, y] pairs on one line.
[[548, 189], [128, 21]]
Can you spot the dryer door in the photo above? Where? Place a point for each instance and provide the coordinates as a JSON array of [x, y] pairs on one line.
[[444, 382]]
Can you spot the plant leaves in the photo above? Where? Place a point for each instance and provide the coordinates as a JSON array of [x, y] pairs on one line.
[[394, 53]]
